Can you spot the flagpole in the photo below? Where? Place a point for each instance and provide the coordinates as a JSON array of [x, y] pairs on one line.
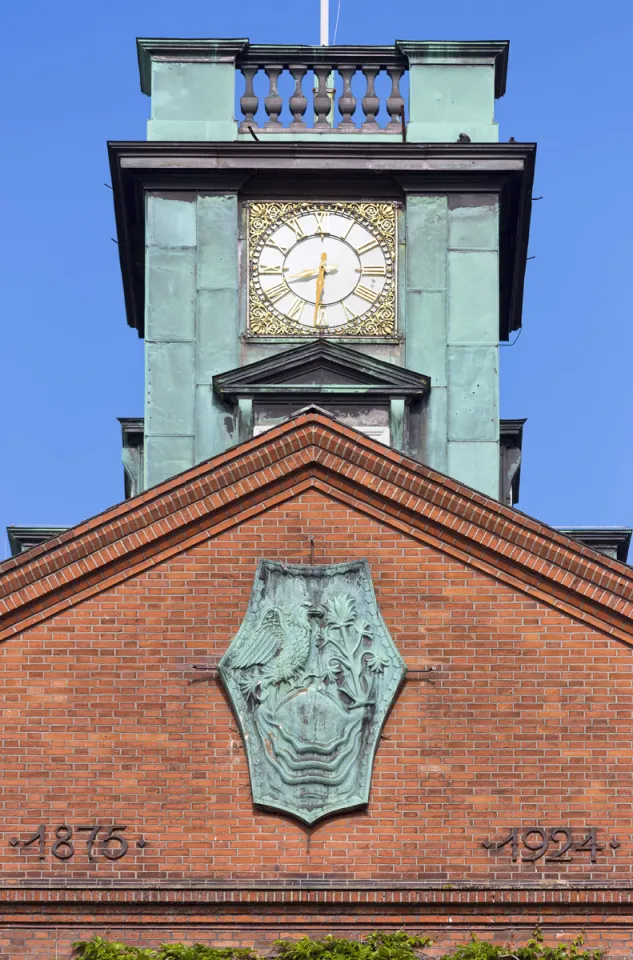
[[325, 42], [325, 23]]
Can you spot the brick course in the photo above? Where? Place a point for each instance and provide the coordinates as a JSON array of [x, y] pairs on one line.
[[523, 720]]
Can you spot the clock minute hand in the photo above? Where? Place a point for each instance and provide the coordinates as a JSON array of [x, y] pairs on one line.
[[319, 286]]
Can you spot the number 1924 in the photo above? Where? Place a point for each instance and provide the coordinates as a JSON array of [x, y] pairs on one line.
[[555, 845]]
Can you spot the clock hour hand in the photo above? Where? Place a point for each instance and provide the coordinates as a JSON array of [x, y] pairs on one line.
[[311, 274]]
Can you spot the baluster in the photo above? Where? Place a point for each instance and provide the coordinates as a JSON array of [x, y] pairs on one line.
[[298, 102], [249, 101], [347, 100], [395, 100], [273, 102], [322, 102], [370, 102]]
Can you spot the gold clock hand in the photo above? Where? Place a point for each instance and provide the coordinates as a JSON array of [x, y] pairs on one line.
[[319, 286], [303, 275], [311, 274]]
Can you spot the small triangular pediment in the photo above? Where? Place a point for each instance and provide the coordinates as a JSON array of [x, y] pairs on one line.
[[321, 366]]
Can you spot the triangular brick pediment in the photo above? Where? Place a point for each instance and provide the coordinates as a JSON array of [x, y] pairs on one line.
[[321, 366], [313, 451]]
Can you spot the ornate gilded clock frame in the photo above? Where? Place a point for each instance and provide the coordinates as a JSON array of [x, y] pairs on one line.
[[266, 216]]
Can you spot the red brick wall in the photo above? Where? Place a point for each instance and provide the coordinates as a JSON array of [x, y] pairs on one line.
[[526, 720]]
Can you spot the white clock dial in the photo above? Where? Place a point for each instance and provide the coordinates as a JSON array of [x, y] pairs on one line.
[[322, 269]]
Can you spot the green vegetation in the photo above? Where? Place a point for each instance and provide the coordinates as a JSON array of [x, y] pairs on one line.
[[377, 946], [100, 949]]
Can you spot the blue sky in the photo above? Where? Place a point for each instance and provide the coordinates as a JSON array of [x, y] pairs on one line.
[[71, 364]]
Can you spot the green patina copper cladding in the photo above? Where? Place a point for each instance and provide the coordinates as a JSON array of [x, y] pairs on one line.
[[311, 675], [452, 331], [448, 270], [452, 90], [192, 86], [191, 329], [451, 304]]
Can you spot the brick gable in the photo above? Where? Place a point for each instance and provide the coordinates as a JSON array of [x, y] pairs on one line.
[[312, 450], [516, 704], [523, 718]]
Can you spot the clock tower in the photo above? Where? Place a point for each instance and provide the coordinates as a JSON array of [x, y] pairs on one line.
[[335, 226], [311, 678]]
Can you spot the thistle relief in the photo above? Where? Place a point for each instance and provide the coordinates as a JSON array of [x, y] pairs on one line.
[[311, 675]]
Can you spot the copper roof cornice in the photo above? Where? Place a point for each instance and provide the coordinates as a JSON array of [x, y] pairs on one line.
[[503, 168]]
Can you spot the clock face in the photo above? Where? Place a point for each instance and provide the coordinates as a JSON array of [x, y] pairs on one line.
[[322, 268]]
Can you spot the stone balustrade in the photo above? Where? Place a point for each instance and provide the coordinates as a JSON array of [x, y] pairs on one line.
[[231, 89], [322, 94]]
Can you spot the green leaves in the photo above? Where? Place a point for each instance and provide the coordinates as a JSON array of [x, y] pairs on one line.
[[377, 946], [178, 951], [534, 949], [99, 949]]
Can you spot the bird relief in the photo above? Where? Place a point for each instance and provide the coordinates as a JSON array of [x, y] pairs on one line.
[[311, 675]]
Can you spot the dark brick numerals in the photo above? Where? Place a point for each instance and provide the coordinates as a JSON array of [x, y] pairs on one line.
[[556, 845], [102, 841]]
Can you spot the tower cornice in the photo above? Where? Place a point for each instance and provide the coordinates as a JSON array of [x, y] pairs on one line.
[[395, 168], [401, 53]]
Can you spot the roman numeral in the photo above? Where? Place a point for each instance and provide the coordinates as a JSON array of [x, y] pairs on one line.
[[275, 246], [352, 224], [276, 293], [269, 271], [321, 319], [349, 313], [365, 293], [373, 271], [297, 229], [296, 310], [366, 247], [322, 222]]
